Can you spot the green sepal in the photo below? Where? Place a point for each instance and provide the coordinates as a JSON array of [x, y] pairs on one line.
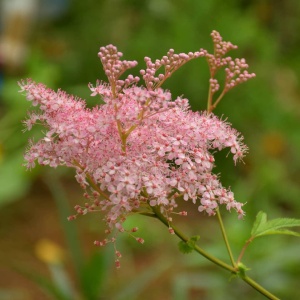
[[189, 245], [242, 270]]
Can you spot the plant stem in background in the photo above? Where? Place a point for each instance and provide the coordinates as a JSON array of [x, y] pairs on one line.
[[70, 233]]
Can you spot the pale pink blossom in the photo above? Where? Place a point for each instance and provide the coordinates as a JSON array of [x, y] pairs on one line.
[[140, 148]]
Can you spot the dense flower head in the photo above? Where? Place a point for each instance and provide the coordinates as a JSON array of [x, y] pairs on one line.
[[140, 149]]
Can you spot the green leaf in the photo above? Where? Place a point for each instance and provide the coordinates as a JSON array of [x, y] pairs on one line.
[[95, 273], [263, 227], [283, 231], [261, 219], [188, 246], [184, 247]]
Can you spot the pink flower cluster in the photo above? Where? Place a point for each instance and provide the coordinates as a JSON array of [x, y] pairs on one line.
[[138, 150], [236, 69]]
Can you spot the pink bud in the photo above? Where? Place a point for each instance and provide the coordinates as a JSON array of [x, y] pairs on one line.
[[171, 230]]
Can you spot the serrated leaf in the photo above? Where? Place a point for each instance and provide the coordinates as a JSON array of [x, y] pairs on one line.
[[281, 223], [277, 225], [282, 231], [261, 219], [188, 246], [194, 239], [184, 247], [263, 227]]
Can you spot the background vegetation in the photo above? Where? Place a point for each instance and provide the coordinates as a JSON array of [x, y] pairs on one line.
[[63, 39]]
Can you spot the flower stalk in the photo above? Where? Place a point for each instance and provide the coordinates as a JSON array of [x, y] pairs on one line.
[[225, 238], [233, 270]]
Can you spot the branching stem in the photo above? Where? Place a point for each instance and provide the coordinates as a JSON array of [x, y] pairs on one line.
[[215, 260]]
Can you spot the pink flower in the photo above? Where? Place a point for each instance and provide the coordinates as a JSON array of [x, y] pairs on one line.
[[140, 147]]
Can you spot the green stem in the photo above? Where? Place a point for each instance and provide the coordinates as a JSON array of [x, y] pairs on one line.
[[259, 288], [122, 136], [214, 105], [213, 259], [243, 250], [225, 238], [209, 100], [184, 238]]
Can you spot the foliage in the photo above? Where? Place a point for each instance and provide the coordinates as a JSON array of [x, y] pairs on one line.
[[189, 246], [263, 227]]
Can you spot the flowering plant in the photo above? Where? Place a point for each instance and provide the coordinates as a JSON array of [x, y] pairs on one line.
[[142, 152]]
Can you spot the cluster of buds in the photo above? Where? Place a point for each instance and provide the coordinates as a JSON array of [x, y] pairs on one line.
[[236, 73], [114, 68], [171, 62], [235, 69]]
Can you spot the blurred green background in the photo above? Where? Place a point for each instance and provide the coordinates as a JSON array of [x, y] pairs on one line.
[[56, 42]]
